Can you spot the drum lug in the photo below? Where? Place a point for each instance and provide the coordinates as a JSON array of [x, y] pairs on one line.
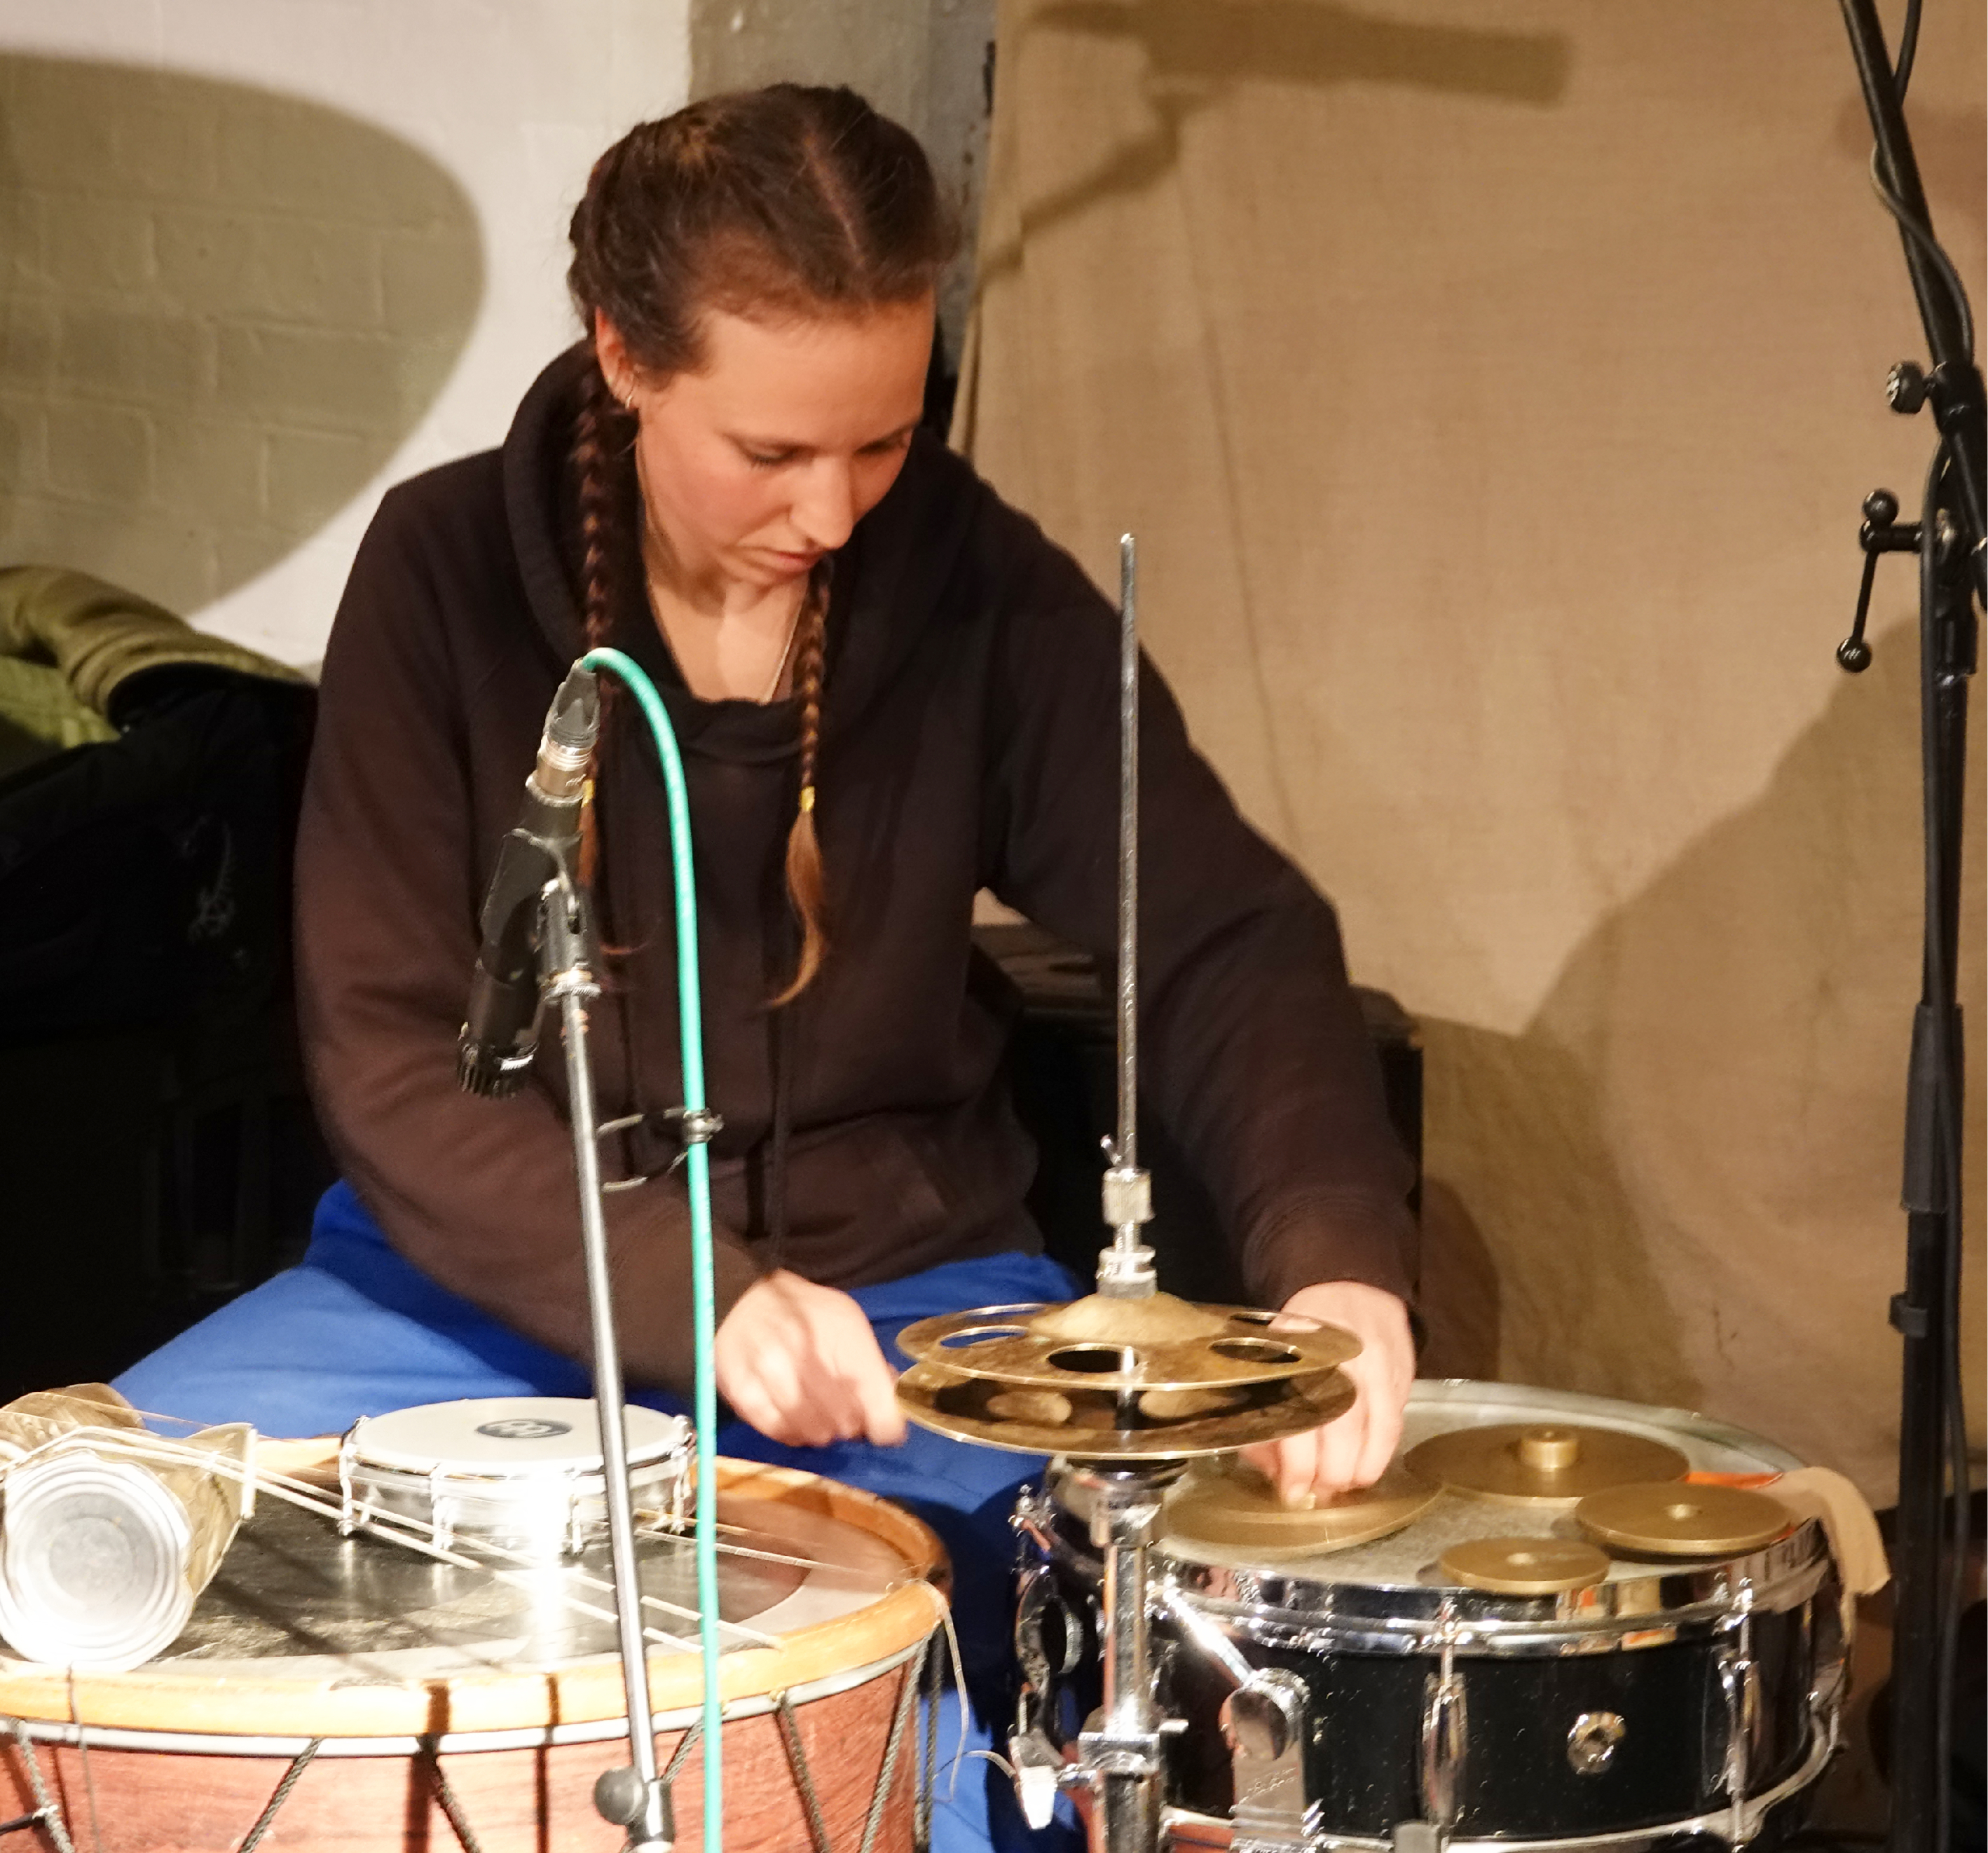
[[1038, 1762], [1740, 1687], [1265, 1722], [1445, 1740]]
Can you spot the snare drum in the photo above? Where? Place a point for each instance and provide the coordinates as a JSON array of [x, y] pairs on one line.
[[404, 1690], [1359, 1699], [520, 1473]]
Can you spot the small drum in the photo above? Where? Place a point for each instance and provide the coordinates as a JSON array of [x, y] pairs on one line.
[[372, 1700], [520, 1473], [1364, 1698]]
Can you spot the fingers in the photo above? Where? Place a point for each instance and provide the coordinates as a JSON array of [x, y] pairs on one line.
[[1354, 1450], [801, 1363]]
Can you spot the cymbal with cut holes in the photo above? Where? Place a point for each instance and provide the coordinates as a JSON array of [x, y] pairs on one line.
[[1094, 1424], [1159, 1343], [1239, 1506], [1542, 1463], [1664, 1519], [1524, 1566]]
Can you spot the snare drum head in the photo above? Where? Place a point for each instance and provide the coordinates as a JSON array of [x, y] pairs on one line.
[[501, 1435]]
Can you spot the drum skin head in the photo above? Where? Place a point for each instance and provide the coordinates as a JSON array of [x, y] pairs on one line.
[[500, 1434]]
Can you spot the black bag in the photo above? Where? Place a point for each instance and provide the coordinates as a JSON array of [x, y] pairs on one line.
[[145, 880]]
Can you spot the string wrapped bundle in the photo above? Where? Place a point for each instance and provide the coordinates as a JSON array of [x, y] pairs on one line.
[[108, 1534]]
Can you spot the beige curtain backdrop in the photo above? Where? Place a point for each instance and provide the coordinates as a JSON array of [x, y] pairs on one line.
[[1492, 385]]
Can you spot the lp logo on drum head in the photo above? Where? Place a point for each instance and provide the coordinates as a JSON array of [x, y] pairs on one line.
[[524, 1428]]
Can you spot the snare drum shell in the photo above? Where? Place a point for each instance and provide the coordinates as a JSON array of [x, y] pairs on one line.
[[1522, 1717]]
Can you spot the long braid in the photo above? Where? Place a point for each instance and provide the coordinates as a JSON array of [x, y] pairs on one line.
[[596, 442], [807, 888]]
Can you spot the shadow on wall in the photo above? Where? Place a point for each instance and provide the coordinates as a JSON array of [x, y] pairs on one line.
[[1683, 1174], [221, 309], [1194, 51]]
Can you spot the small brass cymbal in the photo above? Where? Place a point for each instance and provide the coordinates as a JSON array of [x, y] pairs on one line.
[[1239, 1507], [1664, 1519], [1157, 1344], [1093, 1425], [1535, 1463], [1524, 1566]]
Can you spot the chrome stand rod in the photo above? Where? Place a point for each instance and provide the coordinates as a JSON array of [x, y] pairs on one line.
[[640, 1805], [1125, 1269], [1118, 1780]]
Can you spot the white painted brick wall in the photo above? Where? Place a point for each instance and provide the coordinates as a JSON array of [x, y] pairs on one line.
[[263, 258]]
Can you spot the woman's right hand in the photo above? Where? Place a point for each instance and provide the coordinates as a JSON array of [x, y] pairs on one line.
[[801, 1363]]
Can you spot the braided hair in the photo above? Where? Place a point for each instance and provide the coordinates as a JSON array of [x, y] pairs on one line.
[[789, 201]]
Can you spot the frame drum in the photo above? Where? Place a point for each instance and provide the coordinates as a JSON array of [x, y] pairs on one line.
[[396, 1689]]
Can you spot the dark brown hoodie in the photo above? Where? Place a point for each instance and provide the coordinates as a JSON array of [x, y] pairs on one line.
[[969, 740]]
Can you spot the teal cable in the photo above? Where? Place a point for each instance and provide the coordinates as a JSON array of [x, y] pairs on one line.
[[697, 1165]]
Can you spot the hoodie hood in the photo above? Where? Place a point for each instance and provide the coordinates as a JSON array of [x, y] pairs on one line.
[[898, 576]]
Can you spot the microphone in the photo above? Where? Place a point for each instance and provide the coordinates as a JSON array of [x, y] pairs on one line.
[[500, 1034]]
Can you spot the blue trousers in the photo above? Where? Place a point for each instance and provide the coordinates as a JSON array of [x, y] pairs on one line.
[[356, 1330]]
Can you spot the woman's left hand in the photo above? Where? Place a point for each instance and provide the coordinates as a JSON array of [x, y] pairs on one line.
[[1354, 1450]]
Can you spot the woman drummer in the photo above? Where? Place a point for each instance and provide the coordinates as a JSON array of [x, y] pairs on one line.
[[891, 691]]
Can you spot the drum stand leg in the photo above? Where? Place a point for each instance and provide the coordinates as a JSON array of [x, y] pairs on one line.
[[1117, 1780], [633, 1798]]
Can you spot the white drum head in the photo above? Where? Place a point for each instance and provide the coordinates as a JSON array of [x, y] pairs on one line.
[[502, 1436]]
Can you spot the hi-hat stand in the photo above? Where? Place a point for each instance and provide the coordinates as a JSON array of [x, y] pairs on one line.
[[1933, 1488], [1124, 1387]]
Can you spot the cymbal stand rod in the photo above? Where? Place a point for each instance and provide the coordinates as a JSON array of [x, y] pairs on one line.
[[1125, 1268], [1118, 1779]]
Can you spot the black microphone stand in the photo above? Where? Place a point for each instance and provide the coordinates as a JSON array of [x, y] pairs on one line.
[[1929, 1545]]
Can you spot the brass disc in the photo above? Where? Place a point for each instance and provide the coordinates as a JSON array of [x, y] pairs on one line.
[[1542, 1463], [1238, 1505], [1156, 1344], [1667, 1519], [1086, 1423], [1524, 1566]]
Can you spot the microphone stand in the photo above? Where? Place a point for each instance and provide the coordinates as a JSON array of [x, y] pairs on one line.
[[1932, 1455], [632, 1798]]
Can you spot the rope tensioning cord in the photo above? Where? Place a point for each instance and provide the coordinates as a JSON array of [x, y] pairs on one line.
[[698, 1178]]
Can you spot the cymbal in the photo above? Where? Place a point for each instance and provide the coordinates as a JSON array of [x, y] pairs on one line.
[[1663, 1519], [1524, 1566], [1159, 1343], [1542, 1463], [1238, 1505], [1094, 1423]]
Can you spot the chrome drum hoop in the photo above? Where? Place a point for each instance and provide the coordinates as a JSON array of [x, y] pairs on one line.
[[1669, 1604]]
